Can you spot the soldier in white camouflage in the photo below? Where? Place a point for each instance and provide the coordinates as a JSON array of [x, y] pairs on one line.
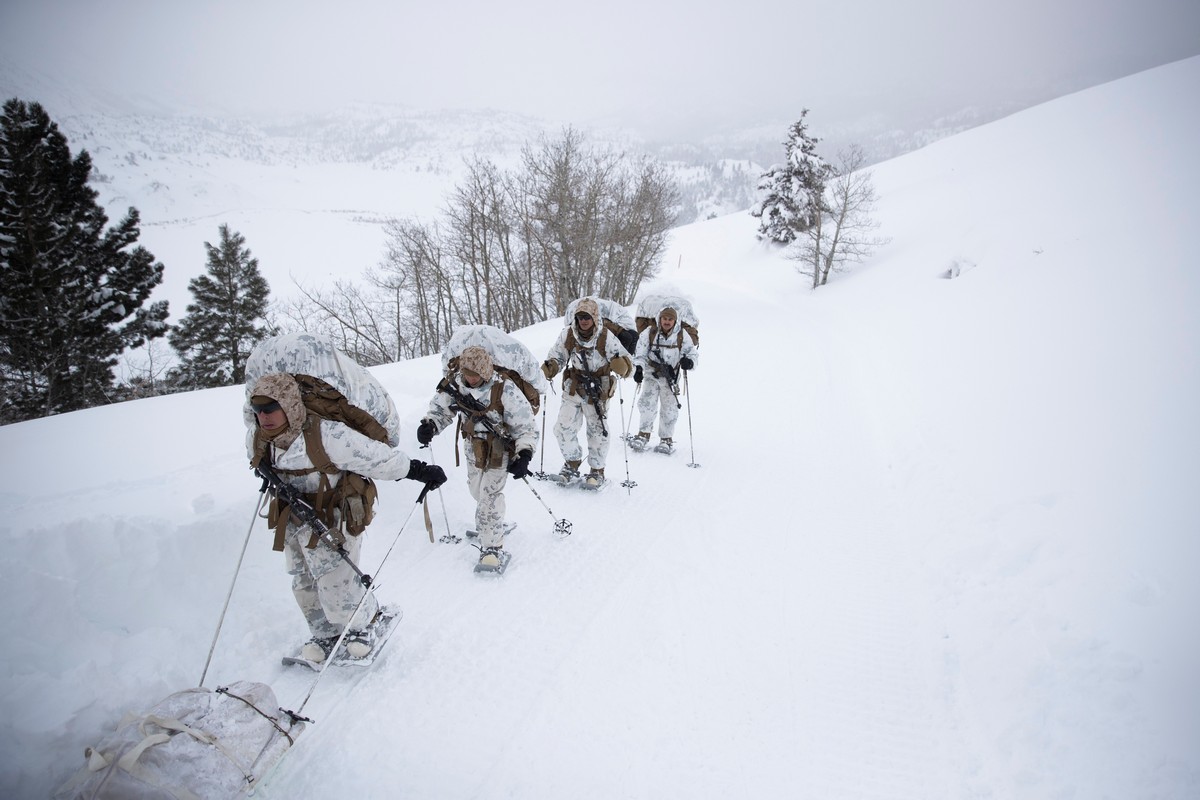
[[663, 349], [589, 360], [325, 584], [498, 432]]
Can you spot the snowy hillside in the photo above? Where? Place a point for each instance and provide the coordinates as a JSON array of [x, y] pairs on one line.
[[942, 541]]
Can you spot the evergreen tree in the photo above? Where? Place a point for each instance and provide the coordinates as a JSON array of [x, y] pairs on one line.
[[71, 292], [226, 319], [793, 192]]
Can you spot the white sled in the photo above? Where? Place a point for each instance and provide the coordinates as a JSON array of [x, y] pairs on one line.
[[198, 743]]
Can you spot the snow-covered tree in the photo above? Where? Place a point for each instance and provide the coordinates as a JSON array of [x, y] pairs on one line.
[[791, 193], [71, 292], [225, 320], [844, 233]]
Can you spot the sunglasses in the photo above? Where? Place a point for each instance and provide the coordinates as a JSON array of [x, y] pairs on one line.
[[266, 408], [581, 317]]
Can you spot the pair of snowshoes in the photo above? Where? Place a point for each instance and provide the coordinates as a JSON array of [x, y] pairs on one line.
[[358, 649], [569, 476], [641, 442]]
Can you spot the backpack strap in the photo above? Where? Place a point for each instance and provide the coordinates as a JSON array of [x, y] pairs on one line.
[[484, 448]]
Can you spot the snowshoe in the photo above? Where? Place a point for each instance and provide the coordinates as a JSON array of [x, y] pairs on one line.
[[568, 474], [594, 481], [316, 649], [493, 560], [665, 446], [378, 633], [639, 443]]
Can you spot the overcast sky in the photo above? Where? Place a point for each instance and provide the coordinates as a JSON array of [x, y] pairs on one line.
[[649, 63]]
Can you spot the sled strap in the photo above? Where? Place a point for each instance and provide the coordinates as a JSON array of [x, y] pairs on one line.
[[274, 722], [128, 761]]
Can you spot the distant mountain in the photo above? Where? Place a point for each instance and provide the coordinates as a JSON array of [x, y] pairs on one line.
[[174, 164]]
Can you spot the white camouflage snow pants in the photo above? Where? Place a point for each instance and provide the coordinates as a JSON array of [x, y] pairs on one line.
[[575, 413], [657, 396], [487, 487], [326, 588]]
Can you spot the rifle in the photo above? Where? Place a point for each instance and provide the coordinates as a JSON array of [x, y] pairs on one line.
[[590, 382], [672, 374], [294, 499], [476, 410]]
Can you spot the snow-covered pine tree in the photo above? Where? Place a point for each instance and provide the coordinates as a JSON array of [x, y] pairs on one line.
[[71, 292], [792, 193], [225, 320]]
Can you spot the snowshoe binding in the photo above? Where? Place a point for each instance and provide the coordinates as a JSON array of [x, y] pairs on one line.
[[639, 443], [568, 474], [493, 560], [594, 481], [665, 446]]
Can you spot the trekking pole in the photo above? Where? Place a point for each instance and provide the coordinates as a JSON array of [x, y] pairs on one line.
[[449, 536], [561, 526], [691, 441], [541, 473], [627, 483], [238, 569], [367, 591], [633, 406]]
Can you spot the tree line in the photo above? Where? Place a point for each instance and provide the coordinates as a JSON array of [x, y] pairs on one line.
[[512, 248]]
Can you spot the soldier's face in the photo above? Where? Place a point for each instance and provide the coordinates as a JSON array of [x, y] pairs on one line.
[[472, 379], [272, 420], [584, 321], [667, 324]]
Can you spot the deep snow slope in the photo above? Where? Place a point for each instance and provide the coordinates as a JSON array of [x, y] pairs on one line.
[[941, 541]]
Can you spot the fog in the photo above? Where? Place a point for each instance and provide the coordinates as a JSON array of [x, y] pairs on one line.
[[663, 66]]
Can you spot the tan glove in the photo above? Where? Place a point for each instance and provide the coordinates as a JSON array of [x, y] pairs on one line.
[[620, 366], [549, 369]]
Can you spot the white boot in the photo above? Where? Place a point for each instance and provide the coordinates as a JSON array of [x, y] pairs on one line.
[[359, 643], [316, 650]]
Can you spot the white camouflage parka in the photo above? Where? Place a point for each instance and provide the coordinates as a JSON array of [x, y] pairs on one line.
[[655, 347], [348, 449], [514, 419], [658, 354], [586, 354]]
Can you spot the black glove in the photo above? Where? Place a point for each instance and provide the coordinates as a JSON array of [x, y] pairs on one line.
[[429, 474], [637, 375], [686, 363], [426, 432], [519, 466]]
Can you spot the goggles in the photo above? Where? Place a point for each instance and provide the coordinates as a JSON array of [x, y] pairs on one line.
[[266, 408], [583, 316]]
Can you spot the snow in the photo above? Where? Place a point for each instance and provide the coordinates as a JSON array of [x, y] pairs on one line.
[[942, 542]]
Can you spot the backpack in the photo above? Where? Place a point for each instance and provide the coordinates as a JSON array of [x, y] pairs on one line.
[[335, 387], [616, 319], [511, 360], [651, 305]]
